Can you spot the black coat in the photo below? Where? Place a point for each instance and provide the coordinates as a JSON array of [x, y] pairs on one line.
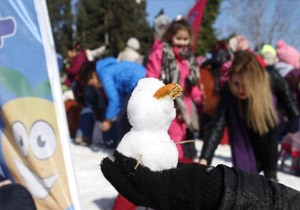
[[196, 187], [245, 190]]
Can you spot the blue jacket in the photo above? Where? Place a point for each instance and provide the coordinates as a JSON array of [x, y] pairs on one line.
[[118, 79]]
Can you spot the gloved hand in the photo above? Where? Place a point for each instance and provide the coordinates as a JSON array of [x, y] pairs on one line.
[[121, 183], [290, 126], [189, 186], [293, 124], [138, 186]]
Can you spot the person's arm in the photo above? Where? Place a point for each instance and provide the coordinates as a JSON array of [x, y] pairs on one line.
[[154, 64], [245, 190], [214, 131], [189, 186], [283, 93], [111, 92], [114, 101], [193, 186], [285, 99]]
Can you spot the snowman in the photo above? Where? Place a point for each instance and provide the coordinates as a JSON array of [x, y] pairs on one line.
[[150, 112]]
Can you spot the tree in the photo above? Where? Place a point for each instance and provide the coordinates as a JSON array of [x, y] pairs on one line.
[[207, 36], [90, 23], [61, 22], [261, 21], [97, 22], [112, 22]]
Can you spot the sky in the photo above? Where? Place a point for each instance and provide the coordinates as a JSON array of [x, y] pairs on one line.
[[172, 8]]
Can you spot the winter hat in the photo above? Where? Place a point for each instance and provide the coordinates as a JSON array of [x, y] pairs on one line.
[[268, 48], [288, 54], [269, 54], [133, 43], [238, 42], [161, 24]]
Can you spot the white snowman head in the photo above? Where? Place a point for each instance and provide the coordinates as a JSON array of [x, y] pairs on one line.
[[151, 104]]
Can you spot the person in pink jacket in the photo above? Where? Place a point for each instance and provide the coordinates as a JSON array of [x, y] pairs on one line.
[[174, 61]]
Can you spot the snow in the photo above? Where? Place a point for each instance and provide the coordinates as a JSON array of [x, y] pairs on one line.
[[148, 141], [146, 112], [95, 192]]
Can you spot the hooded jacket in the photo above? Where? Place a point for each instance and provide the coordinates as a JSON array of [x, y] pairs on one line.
[[118, 80]]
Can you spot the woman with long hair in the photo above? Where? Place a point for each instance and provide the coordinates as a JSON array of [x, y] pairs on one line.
[[248, 106]]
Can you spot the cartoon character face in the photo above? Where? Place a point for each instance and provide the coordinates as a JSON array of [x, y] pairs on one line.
[[33, 153]]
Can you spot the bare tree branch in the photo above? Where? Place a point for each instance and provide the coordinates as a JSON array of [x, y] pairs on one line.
[[263, 21]]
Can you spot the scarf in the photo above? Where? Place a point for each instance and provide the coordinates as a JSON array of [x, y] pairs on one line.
[[170, 73], [241, 149]]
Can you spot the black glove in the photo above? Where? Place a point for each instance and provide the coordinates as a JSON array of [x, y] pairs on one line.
[[290, 126], [121, 183], [189, 186], [293, 124]]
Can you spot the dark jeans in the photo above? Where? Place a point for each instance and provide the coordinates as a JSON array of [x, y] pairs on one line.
[[123, 125], [90, 113], [92, 103], [86, 124]]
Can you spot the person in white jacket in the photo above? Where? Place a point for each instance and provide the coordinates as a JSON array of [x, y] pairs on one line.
[[130, 52]]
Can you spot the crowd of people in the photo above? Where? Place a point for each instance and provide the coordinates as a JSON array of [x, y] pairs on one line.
[[258, 102]]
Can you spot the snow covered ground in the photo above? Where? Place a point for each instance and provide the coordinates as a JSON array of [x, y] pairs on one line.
[[95, 192]]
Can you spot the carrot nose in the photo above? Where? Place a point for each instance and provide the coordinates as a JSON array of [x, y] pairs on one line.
[[173, 90]]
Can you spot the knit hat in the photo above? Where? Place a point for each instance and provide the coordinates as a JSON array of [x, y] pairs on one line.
[[269, 54], [161, 24], [288, 54], [133, 43], [238, 42], [268, 48]]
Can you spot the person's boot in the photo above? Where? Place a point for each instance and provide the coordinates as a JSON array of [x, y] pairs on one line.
[[283, 155], [295, 167]]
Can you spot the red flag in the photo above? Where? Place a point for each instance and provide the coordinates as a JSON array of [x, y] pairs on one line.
[[194, 17]]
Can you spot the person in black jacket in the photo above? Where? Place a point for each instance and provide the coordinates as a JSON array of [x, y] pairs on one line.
[[248, 106], [194, 187], [15, 196], [219, 55]]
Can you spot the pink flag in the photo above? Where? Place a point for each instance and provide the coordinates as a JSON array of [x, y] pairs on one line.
[[195, 18]]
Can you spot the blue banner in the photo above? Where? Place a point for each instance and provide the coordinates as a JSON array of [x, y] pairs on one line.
[[34, 144]]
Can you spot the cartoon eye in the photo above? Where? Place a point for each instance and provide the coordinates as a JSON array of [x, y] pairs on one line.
[[21, 137], [42, 140]]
